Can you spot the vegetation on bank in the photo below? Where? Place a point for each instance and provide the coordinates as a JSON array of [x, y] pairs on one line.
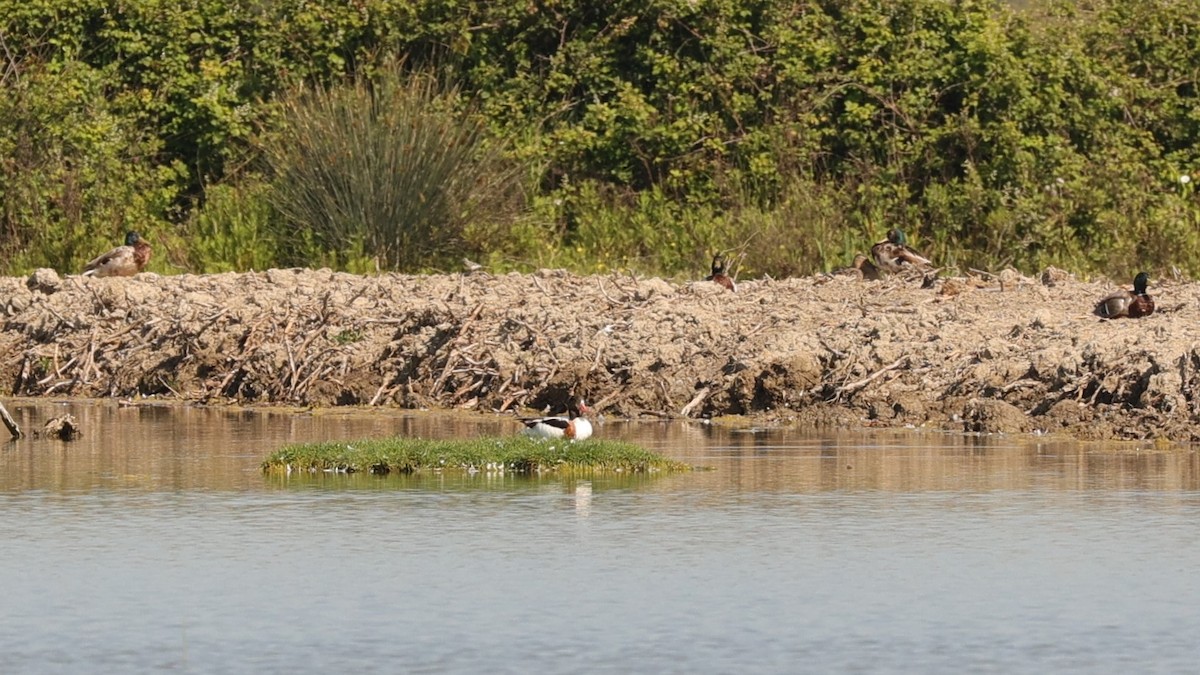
[[516, 454], [635, 134]]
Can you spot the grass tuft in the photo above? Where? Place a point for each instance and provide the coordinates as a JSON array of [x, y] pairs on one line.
[[517, 454]]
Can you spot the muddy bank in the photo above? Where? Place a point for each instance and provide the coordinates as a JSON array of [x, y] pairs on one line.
[[967, 354]]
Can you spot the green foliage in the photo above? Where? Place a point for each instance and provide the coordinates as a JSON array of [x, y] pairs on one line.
[[74, 173], [642, 231], [236, 230], [386, 169], [650, 131], [515, 454], [194, 72]]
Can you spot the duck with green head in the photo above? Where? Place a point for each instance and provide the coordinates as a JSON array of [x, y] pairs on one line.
[[893, 254], [122, 261], [718, 275], [1123, 303]]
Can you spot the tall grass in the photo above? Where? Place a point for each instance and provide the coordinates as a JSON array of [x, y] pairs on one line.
[[236, 230], [387, 169], [810, 226]]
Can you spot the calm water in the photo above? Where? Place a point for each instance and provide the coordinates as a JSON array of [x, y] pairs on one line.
[[154, 544]]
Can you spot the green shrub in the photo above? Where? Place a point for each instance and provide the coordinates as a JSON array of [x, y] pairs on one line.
[[74, 174], [235, 230], [492, 455], [388, 170]]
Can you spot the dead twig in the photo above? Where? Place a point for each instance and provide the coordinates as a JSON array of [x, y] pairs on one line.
[[611, 300], [384, 389], [1018, 384], [855, 386], [457, 346]]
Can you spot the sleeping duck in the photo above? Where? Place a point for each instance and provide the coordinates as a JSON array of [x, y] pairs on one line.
[[1123, 303], [862, 268], [122, 261], [893, 254]]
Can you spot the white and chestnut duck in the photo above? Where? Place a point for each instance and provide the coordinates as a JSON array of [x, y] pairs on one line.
[[575, 426]]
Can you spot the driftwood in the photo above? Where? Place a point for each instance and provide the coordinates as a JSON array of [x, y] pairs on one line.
[[13, 427], [855, 386], [63, 427]]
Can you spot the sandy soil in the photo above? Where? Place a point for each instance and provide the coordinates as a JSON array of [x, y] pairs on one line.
[[992, 354]]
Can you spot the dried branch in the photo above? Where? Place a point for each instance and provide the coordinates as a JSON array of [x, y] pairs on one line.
[[13, 427], [855, 386]]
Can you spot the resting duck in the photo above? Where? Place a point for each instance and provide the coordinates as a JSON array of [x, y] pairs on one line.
[[575, 427], [122, 261], [718, 273], [862, 268], [893, 254], [1123, 303]]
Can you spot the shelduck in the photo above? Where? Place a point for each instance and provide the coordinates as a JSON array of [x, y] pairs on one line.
[[575, 426]]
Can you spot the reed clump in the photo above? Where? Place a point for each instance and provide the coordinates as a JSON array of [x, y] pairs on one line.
[[517, 455], [390, 169]]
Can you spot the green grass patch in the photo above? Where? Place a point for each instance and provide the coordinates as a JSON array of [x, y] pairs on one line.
[[518, 455]]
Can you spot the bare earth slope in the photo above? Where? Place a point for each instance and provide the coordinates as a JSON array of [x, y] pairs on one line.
[[965, 354]]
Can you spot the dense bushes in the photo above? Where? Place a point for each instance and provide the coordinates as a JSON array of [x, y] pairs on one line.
[[75, 173], [652, 132]]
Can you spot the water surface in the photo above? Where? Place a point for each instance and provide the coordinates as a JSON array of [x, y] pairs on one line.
[[155, 544]]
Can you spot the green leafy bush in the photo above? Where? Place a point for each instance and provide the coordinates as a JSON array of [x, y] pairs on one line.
[[74, 174], [236, 230], [652, 131]]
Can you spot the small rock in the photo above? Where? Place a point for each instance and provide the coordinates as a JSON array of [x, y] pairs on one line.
[[18, 303], [44, 280], [1052, 276], [993, 416], [1043, 318]]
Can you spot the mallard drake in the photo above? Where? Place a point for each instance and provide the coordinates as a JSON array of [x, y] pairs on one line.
[[1124, 303], [122, 261], [575, 426], [893, 254], [861, 268], [718, 274]]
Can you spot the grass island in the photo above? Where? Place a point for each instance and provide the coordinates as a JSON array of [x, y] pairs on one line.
[[518, 455]]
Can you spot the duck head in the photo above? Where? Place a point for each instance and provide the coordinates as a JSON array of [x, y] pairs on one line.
[[1140, 282]]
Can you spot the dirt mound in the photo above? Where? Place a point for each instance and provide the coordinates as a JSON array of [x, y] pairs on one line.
[[1007, 354]]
